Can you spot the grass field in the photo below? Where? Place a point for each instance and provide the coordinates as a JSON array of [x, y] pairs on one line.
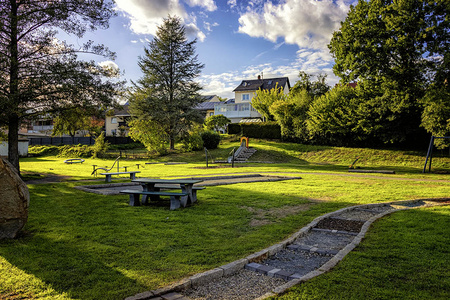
[[79, 245]]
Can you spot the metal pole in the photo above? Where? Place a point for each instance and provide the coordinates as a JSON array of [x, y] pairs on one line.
[[206, 154], [232, 159], [430, 150]]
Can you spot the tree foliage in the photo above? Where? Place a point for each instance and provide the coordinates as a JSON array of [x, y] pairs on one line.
[[166, 94], [333, 118], [39, 73], [150, 134], [436, 113], [395, 50], [70, 121], [315, 88], [216, 122], [264, 100]]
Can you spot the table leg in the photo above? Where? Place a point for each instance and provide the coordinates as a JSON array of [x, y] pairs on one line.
[[174, 202], [187, 188], [134, 200], [150, 187]]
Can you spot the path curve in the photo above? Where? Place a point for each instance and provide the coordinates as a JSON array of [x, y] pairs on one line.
[[214, 284]]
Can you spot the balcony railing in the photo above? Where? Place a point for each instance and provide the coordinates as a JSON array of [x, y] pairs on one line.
[[239, 110]]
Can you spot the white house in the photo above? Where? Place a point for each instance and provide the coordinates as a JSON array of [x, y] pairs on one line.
[[240, 108]]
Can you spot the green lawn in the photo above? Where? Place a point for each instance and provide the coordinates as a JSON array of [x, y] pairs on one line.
[[79, 245], [404, 256]]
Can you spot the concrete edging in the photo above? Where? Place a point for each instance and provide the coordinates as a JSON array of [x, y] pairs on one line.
[[233, 267]]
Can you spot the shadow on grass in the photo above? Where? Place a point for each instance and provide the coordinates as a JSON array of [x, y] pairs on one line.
[[97, 247]]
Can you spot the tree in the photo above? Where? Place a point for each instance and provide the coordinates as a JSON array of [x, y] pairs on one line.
[[216, 122], [314, 88], [333, 118], [436, 113], [70, 121], [167, 94], [265, 98], [395, 50], [40, 74]]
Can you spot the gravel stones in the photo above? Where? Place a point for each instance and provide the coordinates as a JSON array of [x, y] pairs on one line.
[[243, 285], [340, 224]]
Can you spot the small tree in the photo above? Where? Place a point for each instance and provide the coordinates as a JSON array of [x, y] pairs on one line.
[[150, 134], [265, 98], [70, 121], [100, 147], [216, 122]]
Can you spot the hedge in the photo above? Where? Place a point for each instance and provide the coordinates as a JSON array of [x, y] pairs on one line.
[[266, 130]]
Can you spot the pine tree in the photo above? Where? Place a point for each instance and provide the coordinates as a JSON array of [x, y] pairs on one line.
[[167, 93]]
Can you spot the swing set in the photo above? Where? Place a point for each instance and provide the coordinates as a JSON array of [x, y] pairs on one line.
[[430, 152]]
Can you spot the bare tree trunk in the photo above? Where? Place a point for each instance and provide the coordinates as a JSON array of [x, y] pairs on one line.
[[13, 120], [13, 142]]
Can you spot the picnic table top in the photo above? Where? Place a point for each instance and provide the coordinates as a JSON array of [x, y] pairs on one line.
[[173, 181]]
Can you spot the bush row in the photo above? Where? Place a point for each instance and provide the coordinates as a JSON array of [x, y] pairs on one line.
[[266, 130]]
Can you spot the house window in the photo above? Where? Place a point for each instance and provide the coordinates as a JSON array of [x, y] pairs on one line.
[[114, 120], [245, 97], [211, 114]]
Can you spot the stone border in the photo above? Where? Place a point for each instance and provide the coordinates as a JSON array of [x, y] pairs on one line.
[[233, 267]]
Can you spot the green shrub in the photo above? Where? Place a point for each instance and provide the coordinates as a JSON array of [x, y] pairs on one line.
[[100, 147], [193, 142], [210, 139], [266, 130], [40, 150], [234, 128], [75, 151]]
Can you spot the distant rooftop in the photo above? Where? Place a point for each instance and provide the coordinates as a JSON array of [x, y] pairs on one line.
[[263, 84]]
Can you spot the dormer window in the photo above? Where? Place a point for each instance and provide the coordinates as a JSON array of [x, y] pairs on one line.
[[244, 83]]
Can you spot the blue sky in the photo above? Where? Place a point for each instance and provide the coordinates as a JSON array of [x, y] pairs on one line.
[[237, 40]]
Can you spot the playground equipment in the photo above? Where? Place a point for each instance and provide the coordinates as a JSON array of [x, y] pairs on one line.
[[74, 161], [430, 152], [352, 166], [106, 168]]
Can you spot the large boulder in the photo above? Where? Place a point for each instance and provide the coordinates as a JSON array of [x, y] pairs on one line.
[[14, 201]]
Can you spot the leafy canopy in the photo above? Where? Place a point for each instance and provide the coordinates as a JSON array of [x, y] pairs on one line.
[[41, 74]]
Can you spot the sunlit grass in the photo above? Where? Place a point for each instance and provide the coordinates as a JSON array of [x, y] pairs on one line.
[[85, 246], [404, 256]]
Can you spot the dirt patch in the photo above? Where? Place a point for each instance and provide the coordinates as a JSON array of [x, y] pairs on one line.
[[340, 224], [268, 216]]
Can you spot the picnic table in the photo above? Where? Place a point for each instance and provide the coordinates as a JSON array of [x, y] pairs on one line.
[[155, 185]]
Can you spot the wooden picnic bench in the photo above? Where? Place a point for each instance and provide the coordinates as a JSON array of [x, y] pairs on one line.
[[176, 199], [109, 174]]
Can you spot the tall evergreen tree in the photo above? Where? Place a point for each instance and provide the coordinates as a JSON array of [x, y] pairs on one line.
[[167, 93], [40, 74]]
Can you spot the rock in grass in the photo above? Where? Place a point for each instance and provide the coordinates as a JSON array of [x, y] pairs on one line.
[[14, 201]]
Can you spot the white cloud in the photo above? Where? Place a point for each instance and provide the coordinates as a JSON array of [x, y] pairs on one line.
[[231, 3], [307, 23], [208, 25], [313, 62], [145, 16], [207, 4]]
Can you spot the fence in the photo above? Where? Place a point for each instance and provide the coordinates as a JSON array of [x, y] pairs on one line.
[[114, 140]]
